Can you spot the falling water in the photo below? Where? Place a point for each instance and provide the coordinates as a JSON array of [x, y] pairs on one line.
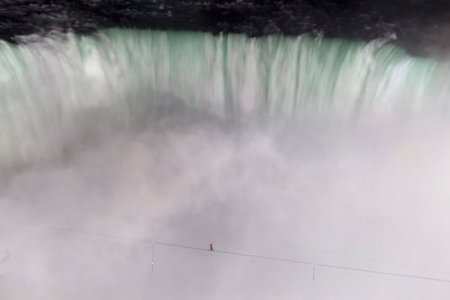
[[61, 84]]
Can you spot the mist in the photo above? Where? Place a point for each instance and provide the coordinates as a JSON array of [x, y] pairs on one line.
[[116, 219]]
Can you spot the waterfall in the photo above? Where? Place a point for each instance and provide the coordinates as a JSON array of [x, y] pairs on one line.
[[65, 83]]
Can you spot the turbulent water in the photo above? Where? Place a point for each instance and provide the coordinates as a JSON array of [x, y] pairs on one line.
[[54, 86], [329, 152]]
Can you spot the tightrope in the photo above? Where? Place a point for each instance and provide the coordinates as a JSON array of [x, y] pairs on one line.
[[315, 265]]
